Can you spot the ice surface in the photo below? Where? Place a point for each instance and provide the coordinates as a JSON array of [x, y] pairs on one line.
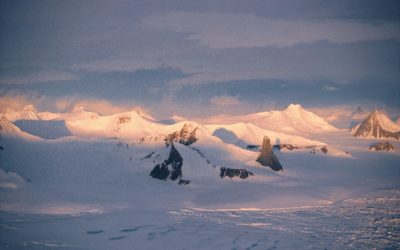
[[350, 224]]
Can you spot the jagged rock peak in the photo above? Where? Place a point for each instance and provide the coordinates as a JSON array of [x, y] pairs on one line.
[[172, 167], [377, 125], [267, 156], [186, 136], [294, 107]]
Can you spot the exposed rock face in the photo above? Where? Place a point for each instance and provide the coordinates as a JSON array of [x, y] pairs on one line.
[[148, 156], [232, 172], [377, 125], [382, 146], [184, 182], [123, 119], [253, 147], [311, 149], [172, 167], [186, 136], [267, 157]]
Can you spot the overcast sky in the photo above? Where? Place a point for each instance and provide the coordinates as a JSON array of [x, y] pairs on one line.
[[197, 58]]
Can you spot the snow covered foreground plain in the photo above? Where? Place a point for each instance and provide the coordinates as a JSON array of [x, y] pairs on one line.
[[96, 193]]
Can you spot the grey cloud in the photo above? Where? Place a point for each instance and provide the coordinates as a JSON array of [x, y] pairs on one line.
[[218, 30], [38, 77], [329, 88]]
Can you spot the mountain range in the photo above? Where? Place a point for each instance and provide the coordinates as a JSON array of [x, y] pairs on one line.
[[107, 172], [289, 127]]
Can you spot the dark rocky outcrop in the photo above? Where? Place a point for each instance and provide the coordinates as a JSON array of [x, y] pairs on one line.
[[186, 136], [184, 182], [171, 138], [123, 119], [172, 167], [148, 156], [290, 147], [381, 146], [232, 172], [253, 147], [267, 156], [160, 171]]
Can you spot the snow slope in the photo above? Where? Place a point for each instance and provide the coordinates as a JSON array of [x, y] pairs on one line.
[[246, 133]]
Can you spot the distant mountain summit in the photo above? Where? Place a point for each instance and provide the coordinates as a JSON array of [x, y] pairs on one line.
[[29, 112], [295, 119], [377, 125]]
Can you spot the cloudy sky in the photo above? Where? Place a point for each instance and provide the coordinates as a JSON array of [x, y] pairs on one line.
[[198, 58]]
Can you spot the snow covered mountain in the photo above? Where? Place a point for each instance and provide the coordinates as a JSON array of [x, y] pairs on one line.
[[8, 129], [377, 125], [135, 127], [293, 120], [29, 112], [127, 125]]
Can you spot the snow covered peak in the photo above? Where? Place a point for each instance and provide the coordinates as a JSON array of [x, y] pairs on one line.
[[78, 109], [296, 118], [29, 112], [294, 107], [377, 125], [30, 108], [384, 121], [292, 120], [79, 113]]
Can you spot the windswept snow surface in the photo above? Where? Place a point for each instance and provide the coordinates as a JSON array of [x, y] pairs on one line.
[[93, 190]]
